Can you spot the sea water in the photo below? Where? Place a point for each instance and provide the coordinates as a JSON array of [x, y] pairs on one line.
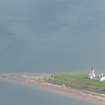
[[12, 93]]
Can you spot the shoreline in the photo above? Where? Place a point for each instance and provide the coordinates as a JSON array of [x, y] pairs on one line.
[[82, 95], [98, 99]]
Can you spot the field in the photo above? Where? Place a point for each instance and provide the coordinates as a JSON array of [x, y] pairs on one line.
[[78, 81]]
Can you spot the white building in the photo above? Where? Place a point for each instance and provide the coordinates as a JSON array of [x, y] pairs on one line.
[[93, 76], [102, 77]]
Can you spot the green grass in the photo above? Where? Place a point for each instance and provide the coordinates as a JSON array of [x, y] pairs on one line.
[[78, 82]]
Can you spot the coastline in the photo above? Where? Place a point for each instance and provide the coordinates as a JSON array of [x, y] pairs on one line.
[[98, 99], [87, 96], [83, 95]]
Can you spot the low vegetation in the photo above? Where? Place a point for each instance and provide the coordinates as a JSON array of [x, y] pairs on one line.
[[78, 82]]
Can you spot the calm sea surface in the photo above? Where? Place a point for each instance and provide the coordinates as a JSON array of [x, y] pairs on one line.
[[16, 94]]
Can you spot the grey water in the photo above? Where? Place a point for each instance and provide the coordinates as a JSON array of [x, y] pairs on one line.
[[15, 94]]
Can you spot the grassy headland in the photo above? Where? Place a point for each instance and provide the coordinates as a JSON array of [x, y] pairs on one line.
[[78, 81]]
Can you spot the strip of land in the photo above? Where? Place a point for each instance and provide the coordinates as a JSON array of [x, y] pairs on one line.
[[48, 83]]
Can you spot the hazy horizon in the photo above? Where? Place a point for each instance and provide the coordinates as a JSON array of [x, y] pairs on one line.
[[52, 35]]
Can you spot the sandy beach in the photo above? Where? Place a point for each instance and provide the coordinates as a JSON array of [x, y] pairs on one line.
[[96, 98], [83, 95]]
